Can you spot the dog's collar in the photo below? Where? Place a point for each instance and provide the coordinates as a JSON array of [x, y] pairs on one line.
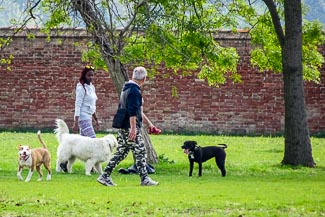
[[192, 152]]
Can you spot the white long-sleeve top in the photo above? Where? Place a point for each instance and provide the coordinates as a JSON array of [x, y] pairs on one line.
[[85, 104]]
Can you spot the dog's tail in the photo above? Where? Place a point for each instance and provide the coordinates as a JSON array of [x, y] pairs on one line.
[[61, 129], [224, 146], [41, 140]]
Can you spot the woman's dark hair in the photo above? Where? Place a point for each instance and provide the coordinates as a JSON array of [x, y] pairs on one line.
[[83, 75]]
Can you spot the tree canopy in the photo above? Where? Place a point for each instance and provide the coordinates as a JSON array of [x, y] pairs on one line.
[[183, 40]]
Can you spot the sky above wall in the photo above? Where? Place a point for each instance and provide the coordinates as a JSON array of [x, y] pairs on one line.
[[13, 10]]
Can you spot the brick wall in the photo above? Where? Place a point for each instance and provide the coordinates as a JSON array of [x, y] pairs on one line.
[[40, 88]]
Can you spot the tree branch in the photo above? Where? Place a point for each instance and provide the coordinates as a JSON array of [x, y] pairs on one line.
[[21, 26], [276, 21], [32, 8]]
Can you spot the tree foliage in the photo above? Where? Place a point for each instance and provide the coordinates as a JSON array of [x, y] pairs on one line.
[[181, 34], [267, 49]]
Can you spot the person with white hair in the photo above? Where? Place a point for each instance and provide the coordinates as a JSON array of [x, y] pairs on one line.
[[129, 133]]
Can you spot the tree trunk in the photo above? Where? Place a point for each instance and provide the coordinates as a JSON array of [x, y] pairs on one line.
[[298, 150], [151, 153], [116, 69]]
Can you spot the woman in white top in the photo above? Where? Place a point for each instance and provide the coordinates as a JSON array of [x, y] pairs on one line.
[[85, 107], [85, 104]]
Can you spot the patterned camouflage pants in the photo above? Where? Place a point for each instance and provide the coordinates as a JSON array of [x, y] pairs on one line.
[[138, 148]]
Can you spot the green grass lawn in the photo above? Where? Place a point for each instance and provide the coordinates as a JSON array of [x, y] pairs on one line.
[[256, 184]]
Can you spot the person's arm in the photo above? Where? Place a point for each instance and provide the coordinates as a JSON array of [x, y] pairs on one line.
[[151, 128], [133, 128], [95, 117], [96, 120], [146, 120], [80, 94], [75, 124]]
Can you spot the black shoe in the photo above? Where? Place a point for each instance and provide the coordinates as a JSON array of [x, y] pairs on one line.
[[64, 167]]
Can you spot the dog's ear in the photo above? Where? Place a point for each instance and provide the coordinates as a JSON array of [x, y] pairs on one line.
[[20, 147]]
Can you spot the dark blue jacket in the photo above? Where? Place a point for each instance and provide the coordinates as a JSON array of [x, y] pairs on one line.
[[132, 99]]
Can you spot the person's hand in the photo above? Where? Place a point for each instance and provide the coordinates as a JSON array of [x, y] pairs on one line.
[[97, 126], [154, 130], [132, 134], [75, 127]]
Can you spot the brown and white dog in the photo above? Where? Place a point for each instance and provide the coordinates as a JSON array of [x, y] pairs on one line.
[[34, 158]]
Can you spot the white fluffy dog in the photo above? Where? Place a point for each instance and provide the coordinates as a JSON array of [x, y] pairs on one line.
[[93, 151]]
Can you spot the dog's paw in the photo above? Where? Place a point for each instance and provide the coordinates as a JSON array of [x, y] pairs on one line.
[[93, 170], [62, 167]]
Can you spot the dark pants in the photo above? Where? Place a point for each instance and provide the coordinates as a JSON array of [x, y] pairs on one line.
[[137, 147]]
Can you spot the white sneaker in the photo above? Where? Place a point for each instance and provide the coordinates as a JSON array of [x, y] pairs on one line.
[[149, 182], [105, 180]]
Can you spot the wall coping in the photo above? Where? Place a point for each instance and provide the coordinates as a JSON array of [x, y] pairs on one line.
[[81, 32]]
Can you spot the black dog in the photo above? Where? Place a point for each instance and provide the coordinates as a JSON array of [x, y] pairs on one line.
[[201, 154]]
